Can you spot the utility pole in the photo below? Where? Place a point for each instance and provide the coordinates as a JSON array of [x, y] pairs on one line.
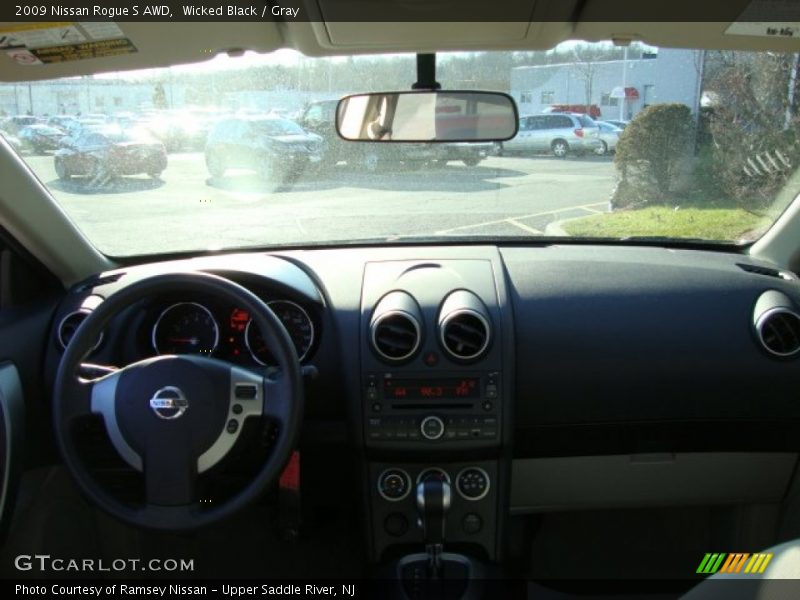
[[624, 83]]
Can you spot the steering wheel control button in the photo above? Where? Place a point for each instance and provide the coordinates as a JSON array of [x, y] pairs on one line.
[[394, 485], [432, 428], [473, 483], [396, 525], [471, 524], [245, 391], [232, 426], [237, 409]]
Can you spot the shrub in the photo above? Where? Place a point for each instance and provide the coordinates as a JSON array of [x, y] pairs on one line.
[[651, 152]]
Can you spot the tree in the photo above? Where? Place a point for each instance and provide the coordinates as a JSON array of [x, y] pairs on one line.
[[159, 96], [650, 152], [753, 131], [584, 58]]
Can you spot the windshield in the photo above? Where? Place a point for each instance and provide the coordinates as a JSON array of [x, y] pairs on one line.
[[245, 153]]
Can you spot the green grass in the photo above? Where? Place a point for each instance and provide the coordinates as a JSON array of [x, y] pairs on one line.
[[726, 224]]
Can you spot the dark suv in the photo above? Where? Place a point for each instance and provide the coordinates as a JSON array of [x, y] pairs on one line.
[[277, 149], [320, 117]]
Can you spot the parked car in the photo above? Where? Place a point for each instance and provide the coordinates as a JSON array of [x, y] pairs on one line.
[[62, 121], [278, 149], [82, 124], [609, 136], [559, 133], [12, 140], [14, 124], [616, 123], [320, 118], [470, 153], [110, 152], [40, 139]]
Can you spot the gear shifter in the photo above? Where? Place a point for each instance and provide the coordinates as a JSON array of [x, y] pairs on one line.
[[433, 503]]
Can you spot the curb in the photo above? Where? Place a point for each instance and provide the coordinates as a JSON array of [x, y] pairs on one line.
[[556, 228]]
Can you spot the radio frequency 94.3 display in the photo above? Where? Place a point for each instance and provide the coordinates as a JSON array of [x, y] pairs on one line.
[[422, 389]]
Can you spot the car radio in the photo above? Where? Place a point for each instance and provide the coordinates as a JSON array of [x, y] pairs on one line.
[[450, 409]]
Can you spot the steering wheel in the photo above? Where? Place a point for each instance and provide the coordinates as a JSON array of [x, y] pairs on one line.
[[174, 417]]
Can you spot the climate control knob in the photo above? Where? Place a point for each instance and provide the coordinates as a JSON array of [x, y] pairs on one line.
[[432, 428], [394, 484], [472, 483]]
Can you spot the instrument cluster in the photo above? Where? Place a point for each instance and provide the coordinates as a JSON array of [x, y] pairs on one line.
[[227, 332]]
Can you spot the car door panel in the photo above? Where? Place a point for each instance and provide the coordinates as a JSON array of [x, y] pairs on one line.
[[12, 427]]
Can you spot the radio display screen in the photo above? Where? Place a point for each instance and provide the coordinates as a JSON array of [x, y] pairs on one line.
[[417, 389]]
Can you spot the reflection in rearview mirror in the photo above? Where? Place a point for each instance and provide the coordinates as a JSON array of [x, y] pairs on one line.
[[429, 116]]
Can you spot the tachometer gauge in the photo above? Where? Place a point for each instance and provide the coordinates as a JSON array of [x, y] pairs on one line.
[[186, 328], [297, 323]]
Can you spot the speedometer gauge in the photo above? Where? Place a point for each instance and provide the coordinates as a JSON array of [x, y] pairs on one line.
[[297, 323], [185, 328]]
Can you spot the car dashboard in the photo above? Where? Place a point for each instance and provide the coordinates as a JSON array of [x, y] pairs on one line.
[[530, 378]]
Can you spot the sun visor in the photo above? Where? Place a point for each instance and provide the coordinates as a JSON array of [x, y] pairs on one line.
[[419, 25], [51, 50], [756, 25]]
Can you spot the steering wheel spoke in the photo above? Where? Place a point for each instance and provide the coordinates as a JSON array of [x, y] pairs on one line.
[[170, 477], [247, 390], [277, 399]]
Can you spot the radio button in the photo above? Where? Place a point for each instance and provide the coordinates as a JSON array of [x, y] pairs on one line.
[[432, 428]]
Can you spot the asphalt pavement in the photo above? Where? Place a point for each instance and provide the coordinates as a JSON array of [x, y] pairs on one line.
[[186, 209]]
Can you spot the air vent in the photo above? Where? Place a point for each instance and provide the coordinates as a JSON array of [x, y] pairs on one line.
[[779, 331], [465, 334], [767, 271], [69, 325], [97, 282], [395, 336]]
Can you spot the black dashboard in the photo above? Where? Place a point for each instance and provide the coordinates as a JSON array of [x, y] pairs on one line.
[[472, 363]]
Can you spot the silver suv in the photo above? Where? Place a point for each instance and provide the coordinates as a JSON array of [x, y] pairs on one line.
[[559, 133]]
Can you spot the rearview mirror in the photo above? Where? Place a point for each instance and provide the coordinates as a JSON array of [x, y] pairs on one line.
[[427, 116]]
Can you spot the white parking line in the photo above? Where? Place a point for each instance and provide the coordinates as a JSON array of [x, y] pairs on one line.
[[524, 227], [586, 207]]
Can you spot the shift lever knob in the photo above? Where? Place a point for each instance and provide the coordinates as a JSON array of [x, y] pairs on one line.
[[433, 502]]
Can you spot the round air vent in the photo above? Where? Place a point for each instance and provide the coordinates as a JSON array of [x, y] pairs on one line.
[[395, 335], [779, 331], [464, 326], [69, 325], [465, 334], [395, 331]]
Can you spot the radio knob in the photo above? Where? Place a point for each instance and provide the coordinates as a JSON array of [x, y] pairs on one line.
[[432, 428]]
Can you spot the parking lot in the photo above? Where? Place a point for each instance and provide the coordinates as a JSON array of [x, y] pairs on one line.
[[186, 209]]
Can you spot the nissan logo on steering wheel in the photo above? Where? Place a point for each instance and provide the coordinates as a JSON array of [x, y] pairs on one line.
[[169, 403]]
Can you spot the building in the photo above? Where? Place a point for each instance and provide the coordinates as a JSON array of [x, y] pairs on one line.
[[668, 76], [84, 95]]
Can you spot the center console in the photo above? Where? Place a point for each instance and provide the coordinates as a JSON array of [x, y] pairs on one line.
[[433, 410]]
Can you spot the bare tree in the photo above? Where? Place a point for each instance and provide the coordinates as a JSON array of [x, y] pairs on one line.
[[586, 67]]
